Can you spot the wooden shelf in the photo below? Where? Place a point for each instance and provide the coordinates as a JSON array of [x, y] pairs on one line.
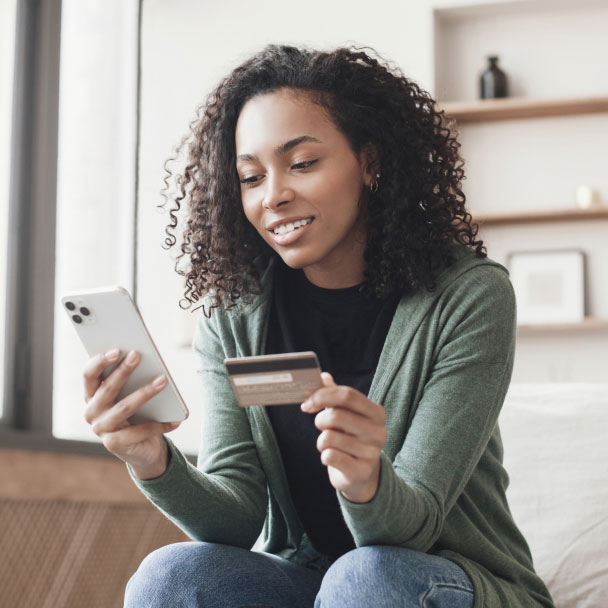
[[588, 324], [530, 217], [521, 107]]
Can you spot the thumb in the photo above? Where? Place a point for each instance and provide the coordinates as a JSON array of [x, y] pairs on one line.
[[328, 379]]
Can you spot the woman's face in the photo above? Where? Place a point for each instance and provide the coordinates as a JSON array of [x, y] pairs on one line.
[[294, 164]]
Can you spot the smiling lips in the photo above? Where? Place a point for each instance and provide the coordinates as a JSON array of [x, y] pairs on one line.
[[290, 226], [285, 234]]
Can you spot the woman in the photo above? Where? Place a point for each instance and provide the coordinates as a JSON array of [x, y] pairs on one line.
[[325, 213]]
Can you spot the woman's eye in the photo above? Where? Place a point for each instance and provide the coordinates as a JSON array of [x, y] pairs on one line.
[[304, 164], [250, 180], [254, 179]]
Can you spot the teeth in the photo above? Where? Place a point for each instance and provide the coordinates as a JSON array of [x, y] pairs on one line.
[[283, 228]]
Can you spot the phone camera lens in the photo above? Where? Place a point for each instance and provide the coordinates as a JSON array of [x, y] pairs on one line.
[[85, 311], [77, 318], [70, 306]]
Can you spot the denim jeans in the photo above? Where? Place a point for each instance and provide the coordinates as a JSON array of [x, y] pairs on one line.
[[207, 575]]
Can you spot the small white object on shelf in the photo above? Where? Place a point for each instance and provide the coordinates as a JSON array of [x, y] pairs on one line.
[[587, 198]]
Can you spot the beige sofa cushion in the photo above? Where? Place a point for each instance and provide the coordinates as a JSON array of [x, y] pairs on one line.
[[555, 438]]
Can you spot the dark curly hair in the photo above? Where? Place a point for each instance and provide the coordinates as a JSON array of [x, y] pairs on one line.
[[412, 221]]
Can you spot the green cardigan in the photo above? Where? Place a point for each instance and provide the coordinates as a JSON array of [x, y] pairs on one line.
[[442, 377]]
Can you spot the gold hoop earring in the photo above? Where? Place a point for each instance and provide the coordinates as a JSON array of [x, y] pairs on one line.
[[373, 187]]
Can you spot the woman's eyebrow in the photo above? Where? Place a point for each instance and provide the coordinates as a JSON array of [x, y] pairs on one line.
[[283, 148]]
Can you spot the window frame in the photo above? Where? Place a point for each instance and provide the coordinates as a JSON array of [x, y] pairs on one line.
[[30, 281]]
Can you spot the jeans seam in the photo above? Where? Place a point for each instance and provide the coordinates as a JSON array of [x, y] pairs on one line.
[[447, 585]]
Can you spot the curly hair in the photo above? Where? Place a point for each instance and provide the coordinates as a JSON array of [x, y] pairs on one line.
[[412, 221]]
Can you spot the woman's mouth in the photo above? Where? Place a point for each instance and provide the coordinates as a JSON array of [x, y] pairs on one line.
[[289, 233]]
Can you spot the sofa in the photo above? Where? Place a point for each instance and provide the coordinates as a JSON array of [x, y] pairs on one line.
[[555, 439]]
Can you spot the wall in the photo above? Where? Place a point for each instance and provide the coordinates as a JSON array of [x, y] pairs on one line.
[[549, 51], [188, 46]]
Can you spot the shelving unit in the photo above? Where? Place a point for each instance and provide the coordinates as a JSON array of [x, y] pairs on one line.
[[510, 108], [517, 108], [530, 217], [537, 146]]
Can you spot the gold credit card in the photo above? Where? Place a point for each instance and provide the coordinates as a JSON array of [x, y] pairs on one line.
[[281, 379]]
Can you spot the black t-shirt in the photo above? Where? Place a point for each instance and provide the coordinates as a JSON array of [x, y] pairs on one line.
[[347, 330]]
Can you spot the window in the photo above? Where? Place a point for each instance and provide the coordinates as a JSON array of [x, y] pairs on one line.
[[7, 56], [73, 211], [96, 168]]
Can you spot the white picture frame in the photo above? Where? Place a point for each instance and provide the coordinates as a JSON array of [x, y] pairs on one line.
[[549, 285]]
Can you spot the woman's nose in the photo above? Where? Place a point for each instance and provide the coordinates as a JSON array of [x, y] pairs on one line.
[[277, 192]]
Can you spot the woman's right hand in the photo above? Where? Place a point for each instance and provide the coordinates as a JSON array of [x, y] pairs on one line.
[[140, 445]]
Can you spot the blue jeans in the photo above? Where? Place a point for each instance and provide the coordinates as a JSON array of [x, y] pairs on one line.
[[207, 575]]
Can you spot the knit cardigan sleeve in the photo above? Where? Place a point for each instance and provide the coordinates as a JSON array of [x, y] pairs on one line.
[[470, 371], [224, 498]]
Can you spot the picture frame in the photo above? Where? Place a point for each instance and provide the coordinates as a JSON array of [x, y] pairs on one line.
[[550, 285]]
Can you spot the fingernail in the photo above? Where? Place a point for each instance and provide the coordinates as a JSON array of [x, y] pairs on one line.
[[131, 357], [159, 381], [306, 405], [112, 354]]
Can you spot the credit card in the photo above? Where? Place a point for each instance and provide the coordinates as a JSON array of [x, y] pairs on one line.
[[281, 379]]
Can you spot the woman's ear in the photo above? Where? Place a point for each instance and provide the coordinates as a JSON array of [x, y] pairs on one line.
[[370, 162]]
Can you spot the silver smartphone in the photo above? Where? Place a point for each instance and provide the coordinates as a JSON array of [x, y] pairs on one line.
[[107, 317], [281, 379]]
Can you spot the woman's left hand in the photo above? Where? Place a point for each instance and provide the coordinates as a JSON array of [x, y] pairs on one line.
[[351, 440]]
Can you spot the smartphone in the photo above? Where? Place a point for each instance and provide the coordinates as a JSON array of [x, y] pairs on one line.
[[281, 379], [107, 317]]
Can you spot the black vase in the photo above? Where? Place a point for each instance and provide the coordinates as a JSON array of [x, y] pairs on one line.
[[493, 82]]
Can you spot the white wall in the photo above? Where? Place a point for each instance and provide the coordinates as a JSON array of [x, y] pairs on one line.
[[188, 45]]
